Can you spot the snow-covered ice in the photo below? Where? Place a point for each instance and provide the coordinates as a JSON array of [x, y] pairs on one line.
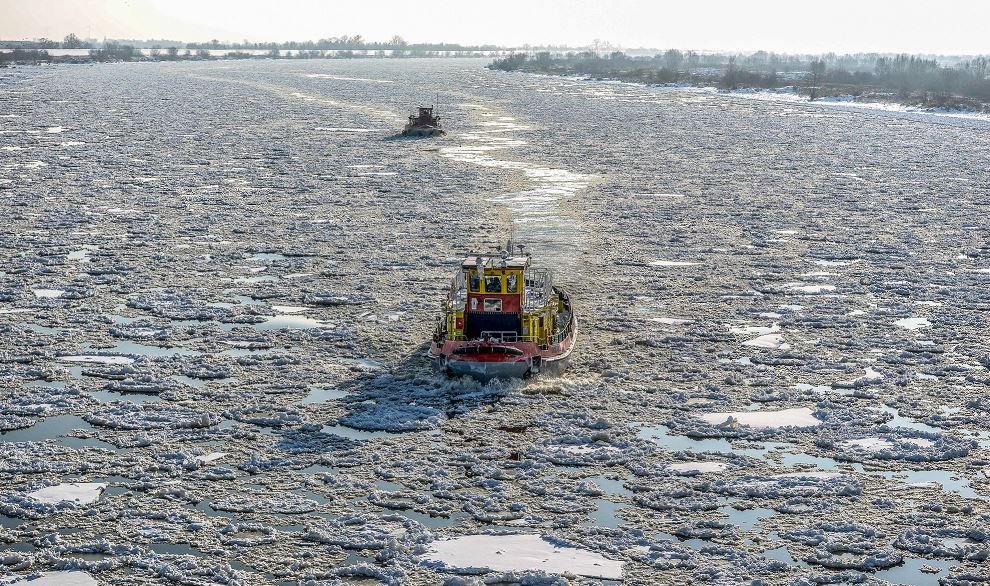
[[77, 492], [797, 417], [235, 348], [521, 552]]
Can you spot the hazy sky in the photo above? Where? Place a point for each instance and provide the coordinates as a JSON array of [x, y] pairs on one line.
[[948, 26]]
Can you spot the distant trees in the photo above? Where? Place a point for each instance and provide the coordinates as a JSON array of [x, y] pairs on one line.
[[817, 68], [916, 79], [730, 79], [113, 51], [397, 44], [24, 55], [513, 62], [71, 41]]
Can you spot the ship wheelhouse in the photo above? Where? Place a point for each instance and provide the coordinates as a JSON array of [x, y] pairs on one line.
[[502, 317]]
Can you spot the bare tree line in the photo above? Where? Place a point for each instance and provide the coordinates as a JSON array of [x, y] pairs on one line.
[[345, 42], [906, 77]]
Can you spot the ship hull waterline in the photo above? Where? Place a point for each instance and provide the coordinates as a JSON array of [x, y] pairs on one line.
[[470, 358], [423, 132]]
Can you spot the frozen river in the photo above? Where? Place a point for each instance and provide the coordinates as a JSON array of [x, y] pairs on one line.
[[217, 281]]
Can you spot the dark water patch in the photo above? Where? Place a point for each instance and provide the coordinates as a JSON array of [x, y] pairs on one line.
[[320, 469], [318, 395], [57, 428], [44, 329], [676, 443], [9, 522], [204, 506], [245, 300], [910, 572], [319, 498], [55, 384], [949, 480], [611, 486], [356, 434], [108, 396], [388, 485], [784, 555], [606, 513], [174, 549], [746, 519], [127, 347]]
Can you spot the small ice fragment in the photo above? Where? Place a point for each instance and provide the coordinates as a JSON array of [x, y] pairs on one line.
[[98, 359], [913, 323], [702, 467], [671, 321], [672, 263], [870, 444], [809, 289], [773, 341], [48, 293], [289, 309], [754, 330]]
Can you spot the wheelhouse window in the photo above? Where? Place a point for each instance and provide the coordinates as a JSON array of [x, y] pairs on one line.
[[475, 283], [512, 283], [493, 304], [493, 284]]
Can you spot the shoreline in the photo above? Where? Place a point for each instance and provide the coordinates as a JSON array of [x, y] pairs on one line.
[[791, 94]]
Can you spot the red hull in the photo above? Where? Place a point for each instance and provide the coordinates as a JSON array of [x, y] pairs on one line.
[[486, 360]]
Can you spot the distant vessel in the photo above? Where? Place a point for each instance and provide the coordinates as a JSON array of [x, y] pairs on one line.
[[503, 319], [424, 124]]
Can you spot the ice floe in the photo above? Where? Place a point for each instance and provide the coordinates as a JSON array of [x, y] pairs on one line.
[[76, 492], [796, 417], [478, 553]]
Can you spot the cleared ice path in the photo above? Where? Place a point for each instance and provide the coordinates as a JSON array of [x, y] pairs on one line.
[[539, 220]]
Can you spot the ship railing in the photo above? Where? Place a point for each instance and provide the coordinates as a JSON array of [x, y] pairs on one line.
[[538, 288], [457, 286], [506, 336], [562, 334]]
